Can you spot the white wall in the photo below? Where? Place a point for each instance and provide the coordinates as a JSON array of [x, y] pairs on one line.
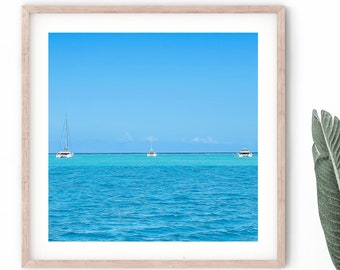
[[313, 72]]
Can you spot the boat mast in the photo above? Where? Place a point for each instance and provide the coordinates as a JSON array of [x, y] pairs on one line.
[[66, 132], [151, 143]]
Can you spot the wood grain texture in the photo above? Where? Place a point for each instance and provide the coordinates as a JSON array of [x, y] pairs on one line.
[[281, 136], [25, 192], [154, 9], [27, 261]]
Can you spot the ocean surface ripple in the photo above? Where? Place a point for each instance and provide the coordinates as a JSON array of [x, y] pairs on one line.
[[171, 197]]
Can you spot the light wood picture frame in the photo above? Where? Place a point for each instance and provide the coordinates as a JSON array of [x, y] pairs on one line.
[[30, 259]]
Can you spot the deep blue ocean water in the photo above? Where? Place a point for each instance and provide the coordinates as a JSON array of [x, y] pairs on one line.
[[171, 197]]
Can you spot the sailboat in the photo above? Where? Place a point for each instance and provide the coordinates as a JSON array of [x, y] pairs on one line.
[[65, 153], [151, 153]]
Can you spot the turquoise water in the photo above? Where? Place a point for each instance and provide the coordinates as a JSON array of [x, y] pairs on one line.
[[171, 197]]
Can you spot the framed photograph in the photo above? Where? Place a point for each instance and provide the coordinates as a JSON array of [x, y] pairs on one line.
[[153, 136]]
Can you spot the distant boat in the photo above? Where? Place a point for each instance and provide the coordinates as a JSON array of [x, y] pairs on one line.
[[244, 153], [65, 153], [151, 153]]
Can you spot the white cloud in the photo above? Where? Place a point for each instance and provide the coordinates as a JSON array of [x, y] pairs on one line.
[[206, 140], [127, 137]]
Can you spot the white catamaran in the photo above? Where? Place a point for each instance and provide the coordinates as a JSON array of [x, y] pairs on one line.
[[65, 153], [245, 153], [151, 153]]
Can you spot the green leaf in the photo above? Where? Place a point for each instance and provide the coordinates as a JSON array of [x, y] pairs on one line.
[[326, 153]]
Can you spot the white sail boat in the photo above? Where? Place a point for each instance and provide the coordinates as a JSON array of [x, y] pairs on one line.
[[65, 153], [151, 153]]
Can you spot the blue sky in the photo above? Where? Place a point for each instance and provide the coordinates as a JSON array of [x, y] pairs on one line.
[[191, 92]]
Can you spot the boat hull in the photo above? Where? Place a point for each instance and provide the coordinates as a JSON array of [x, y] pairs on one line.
[[64, 155], [245, 155]]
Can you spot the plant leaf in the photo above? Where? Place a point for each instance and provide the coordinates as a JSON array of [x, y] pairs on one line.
[[326, 154]]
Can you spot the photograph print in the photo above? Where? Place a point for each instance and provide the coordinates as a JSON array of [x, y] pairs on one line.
[[153, 137]]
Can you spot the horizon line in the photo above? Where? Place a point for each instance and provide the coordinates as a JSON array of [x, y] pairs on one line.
[[101, 153]]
